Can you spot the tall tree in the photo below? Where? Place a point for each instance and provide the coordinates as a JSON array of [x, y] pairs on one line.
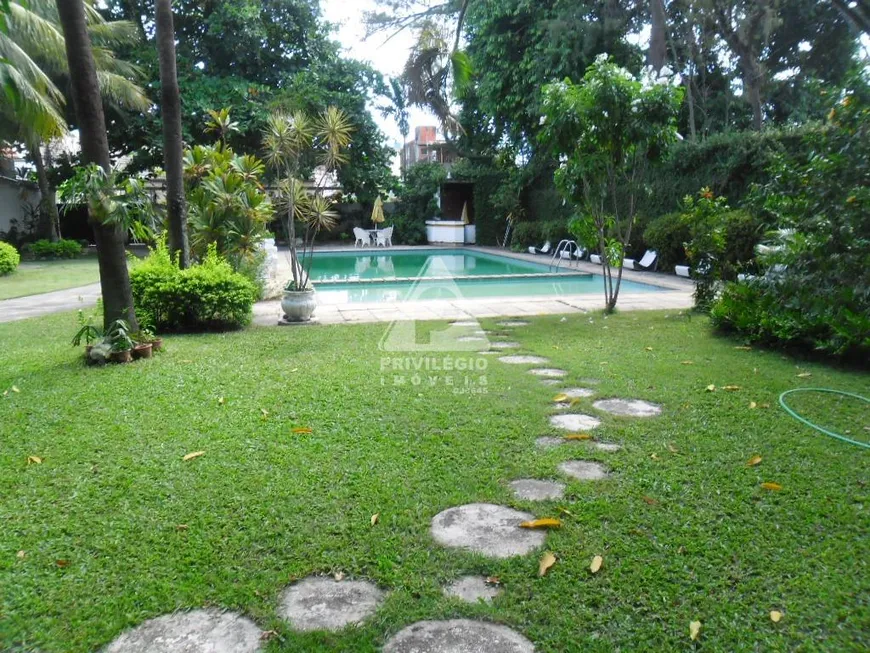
[[85, 91], [172, 141], [397, 96]]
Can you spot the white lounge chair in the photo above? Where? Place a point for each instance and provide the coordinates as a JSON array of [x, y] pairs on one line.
[[573, 254], [384, 237], [596, 259], [543, 250], [362, 237], [682, 271], [648, 262]]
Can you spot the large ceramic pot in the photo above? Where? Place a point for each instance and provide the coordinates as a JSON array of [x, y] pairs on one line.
[[298, 305]]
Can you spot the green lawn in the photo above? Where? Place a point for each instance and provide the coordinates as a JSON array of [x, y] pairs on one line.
[[265, 505], [32, 278]]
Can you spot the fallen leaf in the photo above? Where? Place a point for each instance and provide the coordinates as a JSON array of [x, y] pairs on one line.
[[653, 456], [673, 449], [711, 388], [34, 460], [266, 635], [694, 630], [560, 397], [650, 501], [375, 518], [181, 527], [565, 511], [302, 429], [62, 563], [752, 462], [546, 522], [731, 388], [597, 561], [295, 369], [221, 401], [743, 348], [338, 576], [647, 348], [775, 616], [578, 436], [776, 487], [764, 405], [21, 555], [264, 412], [192, 455], [493, 580], [5, 393], [687, 363], [752, 405], [805, 375], [574, 402], [186, 361], [15, 389], [547, 561]]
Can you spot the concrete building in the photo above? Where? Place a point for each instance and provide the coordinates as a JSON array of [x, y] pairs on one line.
[[428, 147]]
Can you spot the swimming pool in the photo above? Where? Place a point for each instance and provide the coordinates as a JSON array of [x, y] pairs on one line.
[[436, 274]]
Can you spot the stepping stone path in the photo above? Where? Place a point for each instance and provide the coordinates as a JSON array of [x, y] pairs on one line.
[[504, 345], [628, 407], [532, 489], [549, 372], [488, 529], [575, 422], [457, 636], [191, 632], [524, 360], [472, 589], [578, 393], [584, 470], [322, 603], [471, 339], [550, 442], [513, 323], [465, 323], [552, 382], [609, 447]]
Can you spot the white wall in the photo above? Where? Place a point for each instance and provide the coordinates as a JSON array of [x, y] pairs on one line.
[[13, 196]]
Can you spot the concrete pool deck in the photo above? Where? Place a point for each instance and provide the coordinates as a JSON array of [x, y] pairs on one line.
[[676, 294]]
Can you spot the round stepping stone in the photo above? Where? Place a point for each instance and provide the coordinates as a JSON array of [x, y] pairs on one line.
[[548, 442], [628, 407], [575, 422], [549, 372], [609, 447], [583, 470], [523, 360], [488, 529], [322, 603], [488, 353], [504, 345], [464, 323], [472, 589], [532, 489], [552, 382], [513, 323], [578, 393], [191, 632], [471, 339], [457, 636]]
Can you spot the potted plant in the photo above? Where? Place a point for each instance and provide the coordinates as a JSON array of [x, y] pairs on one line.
[[118, 338], [87, 332], [146, 336], [296, 145]]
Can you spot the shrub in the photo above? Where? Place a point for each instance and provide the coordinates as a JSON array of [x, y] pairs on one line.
[[9, 259], [667, 235], [417, 203], [206, 296], [527, 234], [45, 249]]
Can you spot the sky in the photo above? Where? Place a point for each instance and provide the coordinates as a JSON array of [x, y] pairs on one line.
[[386, 56]]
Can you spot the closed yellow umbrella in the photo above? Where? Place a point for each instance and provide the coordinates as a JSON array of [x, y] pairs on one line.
[[378, 212]]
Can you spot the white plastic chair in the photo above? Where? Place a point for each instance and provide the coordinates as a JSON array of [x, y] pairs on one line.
[[648, 262], [362, 237], [543, 250], [385, 237]]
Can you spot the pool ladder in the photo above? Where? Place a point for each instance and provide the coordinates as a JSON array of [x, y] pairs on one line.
[[564, 245]]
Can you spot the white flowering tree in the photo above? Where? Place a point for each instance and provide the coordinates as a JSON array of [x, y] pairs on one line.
[[606, 131]]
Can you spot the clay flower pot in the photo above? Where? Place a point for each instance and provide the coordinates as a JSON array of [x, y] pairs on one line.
[[142, 350]]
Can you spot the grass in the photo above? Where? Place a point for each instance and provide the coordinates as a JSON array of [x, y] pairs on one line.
[[265, 505], [33, 278]]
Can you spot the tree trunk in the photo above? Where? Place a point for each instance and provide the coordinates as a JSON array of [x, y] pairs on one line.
[[752, 89], [85, 91], [49, 220], [658, 36], [170, 107]]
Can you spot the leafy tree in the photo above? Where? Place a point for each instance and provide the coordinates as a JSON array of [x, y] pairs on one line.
[[607, 130], [397, 95]]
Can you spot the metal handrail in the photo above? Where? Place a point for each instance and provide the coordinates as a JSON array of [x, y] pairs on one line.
[[556, 261]]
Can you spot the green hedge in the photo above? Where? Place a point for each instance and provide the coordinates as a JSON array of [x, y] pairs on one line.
[[46, 249], [204, 297], [9, 259]]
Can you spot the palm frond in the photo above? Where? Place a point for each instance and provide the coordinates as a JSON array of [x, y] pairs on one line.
[[20, 60], [38, 36], [105, 59], [113, 33], [33, 110], [121, 92]]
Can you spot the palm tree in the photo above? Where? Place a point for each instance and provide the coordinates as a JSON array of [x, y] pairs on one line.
[[34, 47], [85, 91], [398, 107], [173, 149]]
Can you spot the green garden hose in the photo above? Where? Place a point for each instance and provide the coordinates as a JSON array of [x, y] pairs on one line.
[[785, 406]]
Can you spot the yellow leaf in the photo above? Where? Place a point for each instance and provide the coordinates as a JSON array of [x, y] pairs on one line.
[[673, 449], [264, 412], [565, 511], [578, 436], [802, 375], [191, 456], [15, 388], [753, 405], [764, 405], [181, 527], [302, 429], [221, 401], [775, 616], [375, 518], [776, 487], [731, 388], [653, 456], [560, 397], [752, 462], [574, 402], [694, 630], [21, 555], [338, 576], [743, 348], [687, 363], [711, 388], [34, 460], [547, 522], [547, 561], [597, 561], [493, 580], [648, 348]]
